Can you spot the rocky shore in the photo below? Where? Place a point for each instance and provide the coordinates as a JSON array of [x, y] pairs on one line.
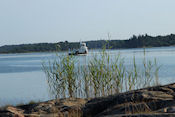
[[156, 101]]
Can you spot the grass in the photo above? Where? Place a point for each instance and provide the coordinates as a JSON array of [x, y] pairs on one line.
[[103, 75]]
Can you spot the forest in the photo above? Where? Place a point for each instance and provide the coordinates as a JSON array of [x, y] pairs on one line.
[[140, 41]]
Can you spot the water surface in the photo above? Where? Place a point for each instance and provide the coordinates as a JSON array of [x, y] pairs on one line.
[[22, 78]]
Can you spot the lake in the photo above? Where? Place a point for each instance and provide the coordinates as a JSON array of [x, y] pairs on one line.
[[22, 79]]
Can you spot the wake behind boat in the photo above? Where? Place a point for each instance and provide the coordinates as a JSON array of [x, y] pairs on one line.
[[82, 50]]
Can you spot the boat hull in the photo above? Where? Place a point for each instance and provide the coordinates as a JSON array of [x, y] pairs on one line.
[[77, 53]]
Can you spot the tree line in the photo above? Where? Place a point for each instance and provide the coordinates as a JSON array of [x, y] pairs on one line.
[[133, 42]]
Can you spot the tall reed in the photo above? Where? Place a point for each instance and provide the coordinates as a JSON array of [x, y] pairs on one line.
[[61, 76], [102, 75]]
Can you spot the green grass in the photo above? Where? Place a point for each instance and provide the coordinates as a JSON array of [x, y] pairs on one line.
[[102, 76]]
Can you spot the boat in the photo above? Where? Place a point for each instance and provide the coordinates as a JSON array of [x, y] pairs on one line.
[[83, 50]]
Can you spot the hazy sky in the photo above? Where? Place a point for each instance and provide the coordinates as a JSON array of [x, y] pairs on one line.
[[35, 21]]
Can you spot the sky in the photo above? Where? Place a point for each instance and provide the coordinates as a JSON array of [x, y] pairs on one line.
[[38, 21]]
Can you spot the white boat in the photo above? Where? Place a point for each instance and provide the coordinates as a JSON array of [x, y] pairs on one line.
[[82, 50]]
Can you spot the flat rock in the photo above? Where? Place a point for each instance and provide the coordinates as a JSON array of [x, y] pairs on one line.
[[157, 101]]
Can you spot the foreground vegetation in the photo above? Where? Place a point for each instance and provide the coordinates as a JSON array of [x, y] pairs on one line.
[[102, 75], [133, 42]]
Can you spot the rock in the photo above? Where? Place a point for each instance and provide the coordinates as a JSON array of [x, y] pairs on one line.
[[70, 107], [17, 112], [146, 100], [156, 101]]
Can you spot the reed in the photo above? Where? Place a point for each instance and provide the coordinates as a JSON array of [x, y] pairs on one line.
[[102, 75], [61, 76]]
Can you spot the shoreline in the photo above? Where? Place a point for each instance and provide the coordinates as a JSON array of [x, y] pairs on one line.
[[35, 52], [146, 102]]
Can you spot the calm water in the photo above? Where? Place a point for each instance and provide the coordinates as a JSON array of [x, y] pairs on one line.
[[22, 78]]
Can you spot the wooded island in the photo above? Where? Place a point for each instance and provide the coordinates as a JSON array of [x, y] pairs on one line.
[[133, 42]]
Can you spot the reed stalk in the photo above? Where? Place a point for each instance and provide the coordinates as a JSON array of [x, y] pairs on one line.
[[103, 75]]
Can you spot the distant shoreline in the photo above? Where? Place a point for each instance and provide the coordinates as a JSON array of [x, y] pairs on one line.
[[141, 41], [89, 49]]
